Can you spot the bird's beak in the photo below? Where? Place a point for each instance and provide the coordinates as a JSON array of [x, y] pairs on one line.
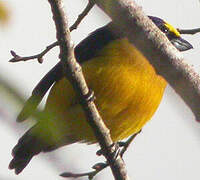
[[181, 44]]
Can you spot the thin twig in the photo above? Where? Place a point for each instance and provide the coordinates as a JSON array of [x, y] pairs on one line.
[[189, 31], [74, 74], [100, 166], [128, 142], [39, 57], [81, 16]]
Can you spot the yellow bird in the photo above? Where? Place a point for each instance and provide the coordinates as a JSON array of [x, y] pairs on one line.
[[127, 89]]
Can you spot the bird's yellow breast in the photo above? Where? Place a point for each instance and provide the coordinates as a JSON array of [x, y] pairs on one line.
[[127, 90]]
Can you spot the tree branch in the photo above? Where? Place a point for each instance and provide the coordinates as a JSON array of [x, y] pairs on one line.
[[74, 74], [167, 61], [39, 57], [89, 6], [189, 31], [100, 166]]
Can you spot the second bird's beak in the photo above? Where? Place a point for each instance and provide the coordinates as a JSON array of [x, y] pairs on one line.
[[181, 44]]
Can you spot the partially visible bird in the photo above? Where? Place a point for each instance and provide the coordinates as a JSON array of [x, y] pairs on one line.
[[127, 89]]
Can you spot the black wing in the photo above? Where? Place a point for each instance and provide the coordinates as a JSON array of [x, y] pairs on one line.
[[84, 51]]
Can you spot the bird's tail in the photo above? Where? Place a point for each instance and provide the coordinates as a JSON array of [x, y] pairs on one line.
[[34, 141], [46, 135], [27, 146]]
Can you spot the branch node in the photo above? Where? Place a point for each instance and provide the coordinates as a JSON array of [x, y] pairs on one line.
[[99, 166], [13, 53], [40, 60]]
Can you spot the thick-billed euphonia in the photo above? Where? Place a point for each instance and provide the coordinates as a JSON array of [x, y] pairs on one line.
[[126, 86]]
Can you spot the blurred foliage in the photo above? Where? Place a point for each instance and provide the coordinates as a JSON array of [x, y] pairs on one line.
[[8, 90], [4, 13]]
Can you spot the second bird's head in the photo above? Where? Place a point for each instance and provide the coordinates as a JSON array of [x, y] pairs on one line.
[[172, 34]]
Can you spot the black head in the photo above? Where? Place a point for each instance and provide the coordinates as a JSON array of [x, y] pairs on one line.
[[172, 34]]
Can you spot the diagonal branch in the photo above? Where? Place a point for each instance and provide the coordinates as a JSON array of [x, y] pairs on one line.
[[74, 73], [89, 6], [167, 61]]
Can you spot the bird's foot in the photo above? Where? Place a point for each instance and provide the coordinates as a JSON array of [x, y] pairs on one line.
[[125, 144]]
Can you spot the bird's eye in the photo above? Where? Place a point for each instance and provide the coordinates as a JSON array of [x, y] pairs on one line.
[[164, 29]]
